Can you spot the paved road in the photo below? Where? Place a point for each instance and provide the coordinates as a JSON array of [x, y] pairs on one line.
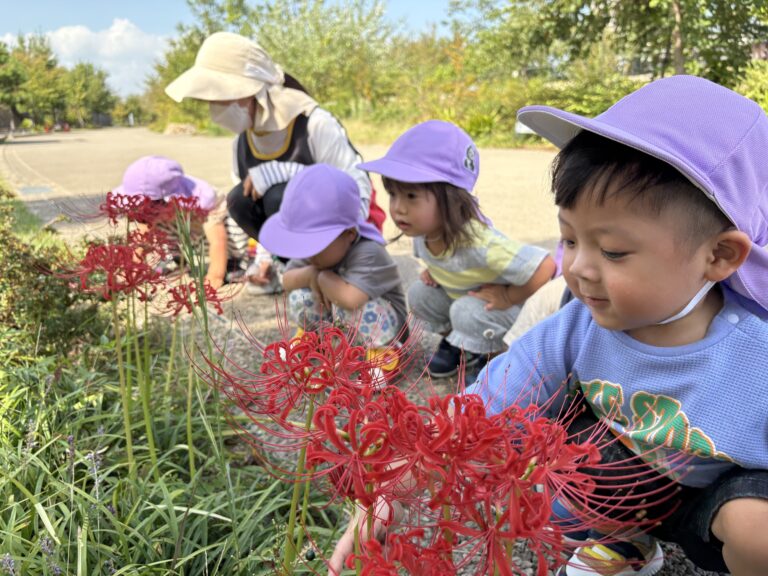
[[70, 173]]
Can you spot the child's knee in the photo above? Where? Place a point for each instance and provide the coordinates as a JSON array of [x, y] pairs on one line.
[[742, 526], [419, 294]]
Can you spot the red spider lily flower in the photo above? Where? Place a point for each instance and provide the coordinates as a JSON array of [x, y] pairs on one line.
[[187, 206], [402, 552], [183, 296], [151, 244], [112, 269], [297, 369], [136, 208], [357, 456], [481, 482]]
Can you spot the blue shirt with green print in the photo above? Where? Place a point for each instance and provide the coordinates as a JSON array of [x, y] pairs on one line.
[[708, 399]]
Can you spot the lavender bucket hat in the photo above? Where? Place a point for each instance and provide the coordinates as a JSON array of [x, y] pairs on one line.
[[161, 178], [319, 203], [433, 151], [715, 137]]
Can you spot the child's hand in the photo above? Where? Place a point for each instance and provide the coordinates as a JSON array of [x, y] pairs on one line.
[[263, 273], [215, 281], [249, 189], [314, 285], [426, 277], [386, 515], [495, 295]]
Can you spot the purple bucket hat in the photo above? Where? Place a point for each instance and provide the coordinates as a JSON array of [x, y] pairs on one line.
[[715, 137], [161, 178], [433, 151], [319, 203]]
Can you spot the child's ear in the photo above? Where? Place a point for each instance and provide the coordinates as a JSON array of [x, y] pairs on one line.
[[729, 250]]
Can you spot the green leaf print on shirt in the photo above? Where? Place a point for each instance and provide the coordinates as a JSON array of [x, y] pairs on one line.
[[657, 420]]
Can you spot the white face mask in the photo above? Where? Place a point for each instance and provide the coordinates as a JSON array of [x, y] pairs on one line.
[[231, 116], [691, 305]]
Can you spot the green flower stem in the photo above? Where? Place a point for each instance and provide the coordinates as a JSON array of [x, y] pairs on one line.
[[124, 391], [144, 390], [190, 434], [291, 550], [166, 401]]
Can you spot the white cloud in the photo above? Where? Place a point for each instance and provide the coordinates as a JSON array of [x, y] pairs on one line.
[[123, 50]]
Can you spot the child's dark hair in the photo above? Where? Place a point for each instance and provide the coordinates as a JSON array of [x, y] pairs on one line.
[[455, 205], [594, 165]]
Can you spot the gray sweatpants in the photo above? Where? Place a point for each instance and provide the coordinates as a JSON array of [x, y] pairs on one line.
[[468, 324]]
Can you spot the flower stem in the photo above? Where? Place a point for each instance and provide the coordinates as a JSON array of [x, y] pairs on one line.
[[124, 391], [144, 389], [291, 548]]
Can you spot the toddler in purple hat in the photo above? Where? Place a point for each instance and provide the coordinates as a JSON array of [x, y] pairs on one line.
[[663, 201], [339, 267], [476, 278], [160, 179]]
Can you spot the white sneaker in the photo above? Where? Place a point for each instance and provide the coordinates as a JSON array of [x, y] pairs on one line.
[[642, 556]]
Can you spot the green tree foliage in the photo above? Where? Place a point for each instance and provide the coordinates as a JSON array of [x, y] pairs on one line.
[[133, 104], [42, 95], [754, 85], [12, 76], [35, 87], [87, 92], [178, 58], [711, 38]]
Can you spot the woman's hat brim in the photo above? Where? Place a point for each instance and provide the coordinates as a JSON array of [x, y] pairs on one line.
[[211, 85]]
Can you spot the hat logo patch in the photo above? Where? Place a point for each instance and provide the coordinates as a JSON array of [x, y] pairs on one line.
[[469, 159]]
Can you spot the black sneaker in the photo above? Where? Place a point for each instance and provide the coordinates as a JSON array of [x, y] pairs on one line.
[[445, 361]]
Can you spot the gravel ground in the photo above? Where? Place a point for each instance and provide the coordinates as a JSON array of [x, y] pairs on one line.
[[69, 173]]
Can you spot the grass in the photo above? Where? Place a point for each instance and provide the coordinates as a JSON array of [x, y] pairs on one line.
[[68, 504]]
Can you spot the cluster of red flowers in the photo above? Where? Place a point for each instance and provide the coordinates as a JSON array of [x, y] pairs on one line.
[[480, 482], [112, 269], [130, 266], [141, 209], [183, 296]]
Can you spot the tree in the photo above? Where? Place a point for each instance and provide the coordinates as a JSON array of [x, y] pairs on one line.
[[711, 38], [12, 77], [131, 105], [42, 94], [88, 93]]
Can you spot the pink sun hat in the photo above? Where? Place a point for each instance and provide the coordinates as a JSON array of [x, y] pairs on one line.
[[161, 178]]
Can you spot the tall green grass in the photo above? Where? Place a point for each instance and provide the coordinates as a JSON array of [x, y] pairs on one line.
[[68, 503]]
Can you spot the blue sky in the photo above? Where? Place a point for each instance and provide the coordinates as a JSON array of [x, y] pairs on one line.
[[125, 37]]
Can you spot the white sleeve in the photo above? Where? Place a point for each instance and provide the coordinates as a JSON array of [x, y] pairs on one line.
[[267, 174], [235, 174], [328, 144]]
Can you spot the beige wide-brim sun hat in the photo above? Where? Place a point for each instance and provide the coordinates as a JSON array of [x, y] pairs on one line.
[[226, 68], [230, 67]]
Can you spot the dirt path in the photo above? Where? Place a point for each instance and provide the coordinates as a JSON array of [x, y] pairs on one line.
[[54, 172]]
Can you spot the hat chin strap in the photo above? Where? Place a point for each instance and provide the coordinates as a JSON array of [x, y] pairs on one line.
[[703, 291]]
